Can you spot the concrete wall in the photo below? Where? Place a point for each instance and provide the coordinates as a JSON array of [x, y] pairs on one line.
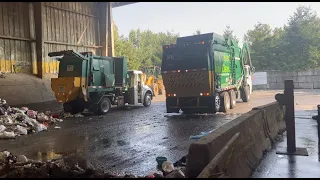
[[258, 129], [309, 79]]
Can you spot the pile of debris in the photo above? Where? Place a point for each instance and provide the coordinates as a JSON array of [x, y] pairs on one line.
[[170, 170], [21, 121], [21, 167], [12, 166], [2, 75]]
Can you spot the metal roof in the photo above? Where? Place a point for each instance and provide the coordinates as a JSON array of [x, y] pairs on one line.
[[118, 4]]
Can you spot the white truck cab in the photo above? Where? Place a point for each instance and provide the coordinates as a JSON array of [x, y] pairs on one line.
[[248, 76], [139, 93]]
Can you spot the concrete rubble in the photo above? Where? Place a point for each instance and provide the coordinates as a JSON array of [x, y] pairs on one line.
[[12, 166], [22, 121]]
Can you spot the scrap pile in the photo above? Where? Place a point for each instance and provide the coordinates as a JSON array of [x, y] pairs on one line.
[[21, 121], [2, 75], [21, 167], [12, 166]]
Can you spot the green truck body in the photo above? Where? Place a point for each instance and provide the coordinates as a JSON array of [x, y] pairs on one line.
[[206, 73], [97, 82]]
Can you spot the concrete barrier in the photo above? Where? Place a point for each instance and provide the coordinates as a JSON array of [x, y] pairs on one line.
[[258, 129], [19, 89]]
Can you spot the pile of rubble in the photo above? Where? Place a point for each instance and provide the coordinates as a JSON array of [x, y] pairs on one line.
[[2, 75], [21, 121], [12, 166], [21, 167]]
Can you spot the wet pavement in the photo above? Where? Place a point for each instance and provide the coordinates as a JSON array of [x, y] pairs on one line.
[[130, 140], [285, 166]]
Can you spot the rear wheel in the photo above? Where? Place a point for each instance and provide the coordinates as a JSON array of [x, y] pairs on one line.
[[217, 103], [245, 93], [225, 102], [233, 98], [104, 106]]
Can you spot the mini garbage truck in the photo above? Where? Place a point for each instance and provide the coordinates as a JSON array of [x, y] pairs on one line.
[[206, 73], [87, 81]]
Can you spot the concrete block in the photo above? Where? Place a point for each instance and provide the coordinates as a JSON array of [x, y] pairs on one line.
[[272, 79], [309, 79], [316, 72], [276, 85], [301, 79], [316, 85], [316, 78], [257, 128], [288, 78], [306, 73], [305, 85], [289, 73], [296, 85], [279, 79], [260, 87]]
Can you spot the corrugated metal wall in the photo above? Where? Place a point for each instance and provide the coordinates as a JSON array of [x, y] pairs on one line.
[[69, 25], [15, 49]]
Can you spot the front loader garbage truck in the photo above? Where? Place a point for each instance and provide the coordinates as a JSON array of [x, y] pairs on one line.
[[87, 81], [206, 73]]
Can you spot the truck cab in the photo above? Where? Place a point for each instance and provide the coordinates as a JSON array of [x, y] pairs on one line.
[[138, 92]]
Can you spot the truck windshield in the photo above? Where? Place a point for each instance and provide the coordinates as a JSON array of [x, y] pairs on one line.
[[185, 58]]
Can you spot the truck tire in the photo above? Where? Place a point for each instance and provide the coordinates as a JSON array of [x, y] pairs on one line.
[[73, 107], [225, 102], [147, 100], [245, 93], [104, 106], [233, 99], [67, 107], [217, 103]]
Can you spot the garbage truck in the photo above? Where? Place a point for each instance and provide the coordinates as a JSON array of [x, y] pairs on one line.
[[87, 81], [206, 73]]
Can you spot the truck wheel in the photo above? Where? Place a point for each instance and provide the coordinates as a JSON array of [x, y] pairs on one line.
[[233, 99], [147, 100], [104, 106], [67, 107], [245, 94], [217, 103], [225, 102]]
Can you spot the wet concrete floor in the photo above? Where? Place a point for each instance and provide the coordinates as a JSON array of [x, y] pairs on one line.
[[294, 166], [130, 140]]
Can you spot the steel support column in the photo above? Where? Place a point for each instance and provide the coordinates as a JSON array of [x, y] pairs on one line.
[[38, 19], [105, 28], [110, 30]]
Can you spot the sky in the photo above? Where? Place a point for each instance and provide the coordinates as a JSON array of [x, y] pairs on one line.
[[186, 17]]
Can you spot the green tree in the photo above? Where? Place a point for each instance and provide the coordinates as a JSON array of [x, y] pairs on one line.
[[228, 33], [296, 46], [143, 48], [198, 32]]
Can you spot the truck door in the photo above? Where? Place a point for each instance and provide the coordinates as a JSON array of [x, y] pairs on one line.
[[139, 88]]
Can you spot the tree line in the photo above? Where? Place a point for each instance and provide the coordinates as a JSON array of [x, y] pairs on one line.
[[295, 46]]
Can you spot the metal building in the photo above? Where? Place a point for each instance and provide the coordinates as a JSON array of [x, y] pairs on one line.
[[32, 29]]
